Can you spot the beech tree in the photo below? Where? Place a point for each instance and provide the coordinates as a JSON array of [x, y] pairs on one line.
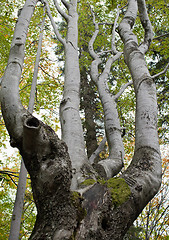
[[75, 198]]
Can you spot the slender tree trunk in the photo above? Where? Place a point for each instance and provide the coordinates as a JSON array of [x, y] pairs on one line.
[[21, 188], [72, 131], [19, 202], [88, 104]]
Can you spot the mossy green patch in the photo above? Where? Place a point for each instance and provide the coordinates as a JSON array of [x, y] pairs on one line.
[[119, 189], [77, 202], [81, 212], [75, 196], [101, 181], [88, 182]]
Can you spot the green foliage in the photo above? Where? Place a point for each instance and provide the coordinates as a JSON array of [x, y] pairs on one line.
[[9, 175], [7, 23]]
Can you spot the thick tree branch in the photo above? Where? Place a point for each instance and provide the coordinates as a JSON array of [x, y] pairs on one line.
[[144, 173], [109, 63], [71, 126], [19, 201], [128, 21], [12, 108], [109, 167], [92, 40]]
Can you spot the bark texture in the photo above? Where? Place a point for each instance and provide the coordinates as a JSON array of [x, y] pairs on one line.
[[88, 105], [111, 166], [72, 131]]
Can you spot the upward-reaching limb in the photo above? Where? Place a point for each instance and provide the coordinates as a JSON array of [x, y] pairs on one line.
[[19, 200], [144, 173], [113, 165]]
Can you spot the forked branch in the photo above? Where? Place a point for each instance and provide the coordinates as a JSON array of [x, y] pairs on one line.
[[148, 37], [111, 166]]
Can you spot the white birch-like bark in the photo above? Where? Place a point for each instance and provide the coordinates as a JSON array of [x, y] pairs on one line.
[[144, 173], [109, 167], [71, 126], [12, 108], [18, 205], [20, 194], [100, 148]]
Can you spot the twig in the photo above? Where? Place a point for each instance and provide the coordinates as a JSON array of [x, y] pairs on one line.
[[65, 3], [162, 72], [161, 36], [122, 90], [48, 74]]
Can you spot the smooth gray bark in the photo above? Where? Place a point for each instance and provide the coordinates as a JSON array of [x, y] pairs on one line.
[[144, 173], [18, 205], [20, 194], [71, 126], [109, 167]]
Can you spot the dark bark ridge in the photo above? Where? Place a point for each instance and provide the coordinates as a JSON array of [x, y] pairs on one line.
[[48, 163]]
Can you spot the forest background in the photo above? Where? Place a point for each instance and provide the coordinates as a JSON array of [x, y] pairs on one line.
[[153, 223]]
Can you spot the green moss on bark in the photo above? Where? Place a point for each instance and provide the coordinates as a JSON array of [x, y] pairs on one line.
[[77, 202], [119, 189], [88, 182], [81, 212]]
